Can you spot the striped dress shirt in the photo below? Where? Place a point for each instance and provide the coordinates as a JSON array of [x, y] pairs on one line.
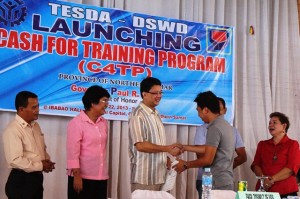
[[146, 125]]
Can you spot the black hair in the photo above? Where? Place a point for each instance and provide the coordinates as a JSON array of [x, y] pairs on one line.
[[282, 118], [209, 100], [148, 83], [22, 99], [92, 96], [222, 101]]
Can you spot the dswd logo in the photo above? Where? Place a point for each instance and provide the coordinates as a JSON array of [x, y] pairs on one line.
[[219, 40], [12, 12]]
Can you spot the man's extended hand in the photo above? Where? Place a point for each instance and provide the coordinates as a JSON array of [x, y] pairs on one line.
[[176, 149], [179, 167]]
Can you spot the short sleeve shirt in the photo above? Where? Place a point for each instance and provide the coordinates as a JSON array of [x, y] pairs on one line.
[[146, 125], [287, 155], [200, 139], [220, 134]]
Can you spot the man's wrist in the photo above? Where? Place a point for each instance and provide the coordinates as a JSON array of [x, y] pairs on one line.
[[185, 165]]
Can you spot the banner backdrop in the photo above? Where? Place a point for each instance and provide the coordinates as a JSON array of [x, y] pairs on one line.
[[58, 49]]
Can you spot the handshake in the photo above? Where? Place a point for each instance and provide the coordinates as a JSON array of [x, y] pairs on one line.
[[48, 166], [175, 149]]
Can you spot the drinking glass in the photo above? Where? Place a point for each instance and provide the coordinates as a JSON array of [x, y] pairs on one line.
[[261, 179]]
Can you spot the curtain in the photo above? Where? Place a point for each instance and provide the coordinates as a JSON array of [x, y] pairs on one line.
[[267, 76]]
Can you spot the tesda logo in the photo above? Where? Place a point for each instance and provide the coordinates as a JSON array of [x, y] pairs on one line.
[[219, 41], [12, 12]]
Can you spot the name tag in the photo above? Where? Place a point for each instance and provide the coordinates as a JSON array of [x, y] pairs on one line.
[[256, 195]]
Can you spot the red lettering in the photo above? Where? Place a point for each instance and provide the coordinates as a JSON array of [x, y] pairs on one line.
[[136, 70], [123, 57], [91, 64], [106, 52], [23, 40], [110, 69], [219, 64], [72, 47], [162, 57], [209, 64], [171, 60], [61, 45], [37, 43], [139, 55], [13, 40], [51, 44], [25, 45], [200, 63], [76, 88], [150, 57], [86, 48], [191, 58], [96, 50], [123, 68], [181, 59]]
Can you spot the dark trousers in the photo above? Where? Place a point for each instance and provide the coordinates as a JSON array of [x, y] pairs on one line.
[[21, 185], [92, 189], [199, 188]]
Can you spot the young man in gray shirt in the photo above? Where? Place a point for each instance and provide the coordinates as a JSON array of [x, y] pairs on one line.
[[218, 152]]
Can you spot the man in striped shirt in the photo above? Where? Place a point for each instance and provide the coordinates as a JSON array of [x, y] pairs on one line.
[[147, 140]]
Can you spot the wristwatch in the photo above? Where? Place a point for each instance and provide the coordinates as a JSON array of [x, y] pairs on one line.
[[185, 166]]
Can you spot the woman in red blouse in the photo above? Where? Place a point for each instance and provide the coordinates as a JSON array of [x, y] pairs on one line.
[[278, 158]]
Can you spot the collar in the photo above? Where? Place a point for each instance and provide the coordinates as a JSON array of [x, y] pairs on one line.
[[205, 125], [282, 141], [148, 110], [85, 118], [23, 123], [220, 117]]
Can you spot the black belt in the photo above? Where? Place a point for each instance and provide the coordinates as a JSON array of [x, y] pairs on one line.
[[24, 172]]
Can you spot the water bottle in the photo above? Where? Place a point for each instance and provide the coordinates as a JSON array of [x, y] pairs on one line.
[[206, 184]]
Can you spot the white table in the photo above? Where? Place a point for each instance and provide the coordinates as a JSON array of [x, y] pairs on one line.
[[223, 194], [146, 194]]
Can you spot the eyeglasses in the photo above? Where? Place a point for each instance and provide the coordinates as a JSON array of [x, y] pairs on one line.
[[156, 93], [106, 101]]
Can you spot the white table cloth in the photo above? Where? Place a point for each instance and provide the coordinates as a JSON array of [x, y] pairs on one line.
[[223, 194], [146, 194]]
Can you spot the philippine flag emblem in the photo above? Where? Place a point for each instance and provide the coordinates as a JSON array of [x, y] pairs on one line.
[[219, 41]]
